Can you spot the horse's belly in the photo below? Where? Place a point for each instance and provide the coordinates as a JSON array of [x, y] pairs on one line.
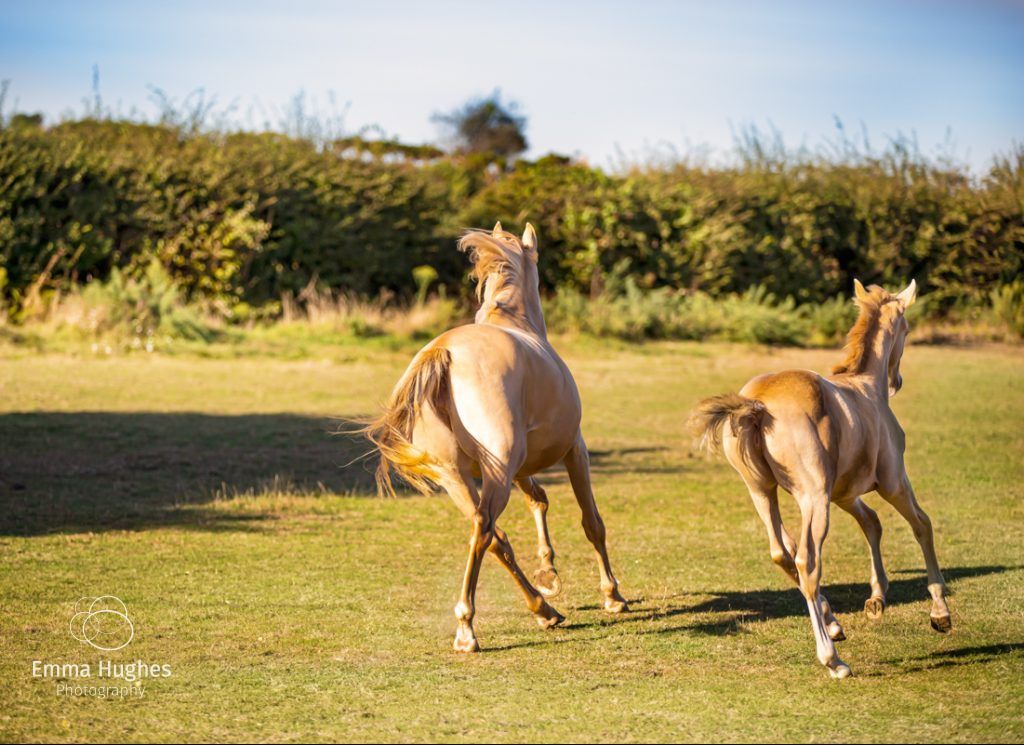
[[544, 449], [856, 477]]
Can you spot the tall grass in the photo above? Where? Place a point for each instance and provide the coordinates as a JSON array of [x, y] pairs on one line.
[[149, 314], [754, 316]]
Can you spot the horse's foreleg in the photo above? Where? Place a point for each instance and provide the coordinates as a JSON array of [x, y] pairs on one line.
[[903, 499], [869, 523], [546, 578], [577, 463], [502, 549], [813, 529]]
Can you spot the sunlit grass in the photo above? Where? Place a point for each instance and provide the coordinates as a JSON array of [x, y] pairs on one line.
[[212, 496]]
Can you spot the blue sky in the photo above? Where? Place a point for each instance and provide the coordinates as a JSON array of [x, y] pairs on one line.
[[593, 78]]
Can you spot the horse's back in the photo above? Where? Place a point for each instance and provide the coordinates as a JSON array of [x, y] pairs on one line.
[[505, 354]]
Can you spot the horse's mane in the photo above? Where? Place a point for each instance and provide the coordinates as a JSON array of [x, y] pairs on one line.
[[498, 261], [862, 335]]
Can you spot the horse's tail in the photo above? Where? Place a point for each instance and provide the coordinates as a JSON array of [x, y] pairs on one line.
[[746, 418], [427, 380]]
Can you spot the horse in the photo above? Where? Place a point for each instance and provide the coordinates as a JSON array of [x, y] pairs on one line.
[[828, 440], [493, 400]]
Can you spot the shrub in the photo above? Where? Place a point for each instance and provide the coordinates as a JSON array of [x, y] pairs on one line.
[[131, 312], [1008, 306], [240, 219]]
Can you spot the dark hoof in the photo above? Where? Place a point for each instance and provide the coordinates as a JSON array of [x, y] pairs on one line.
[[942, 624]]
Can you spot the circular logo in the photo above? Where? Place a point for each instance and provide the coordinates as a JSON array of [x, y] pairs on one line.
[[102, 623]]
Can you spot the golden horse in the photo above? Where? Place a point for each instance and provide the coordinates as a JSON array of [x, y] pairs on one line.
[[828, 440], [494, 400]]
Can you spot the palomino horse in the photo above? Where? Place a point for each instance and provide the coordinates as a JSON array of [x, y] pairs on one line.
[[829, 440], [493, 399]]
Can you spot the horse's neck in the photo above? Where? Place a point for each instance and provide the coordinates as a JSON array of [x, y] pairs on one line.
[[876, 368], [514, 310]]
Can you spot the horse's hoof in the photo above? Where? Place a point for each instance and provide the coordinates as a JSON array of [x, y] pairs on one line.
[[466, 644], [874, 608], [551, 618], [836, 633], [548, 583], [840, 671], [616, 606], [942, 624]]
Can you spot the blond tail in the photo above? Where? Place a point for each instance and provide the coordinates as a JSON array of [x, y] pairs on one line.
[[746, 418], [426, 380]]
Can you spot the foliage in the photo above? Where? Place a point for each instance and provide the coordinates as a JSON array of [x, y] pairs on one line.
[[487, 126], [240, 219], [635, 314], [143, 312], [1008, 306]]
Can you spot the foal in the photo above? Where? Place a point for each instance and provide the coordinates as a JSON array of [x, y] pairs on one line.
[[827, 441], [494, 400]]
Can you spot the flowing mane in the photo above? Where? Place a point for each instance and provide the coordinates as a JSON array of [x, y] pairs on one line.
[[862, 335], [495, 254]]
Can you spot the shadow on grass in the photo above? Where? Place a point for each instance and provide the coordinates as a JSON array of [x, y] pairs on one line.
[[615, 461], [93, 471], [97, 470], [732, 609], [977, 655], [759, 605]]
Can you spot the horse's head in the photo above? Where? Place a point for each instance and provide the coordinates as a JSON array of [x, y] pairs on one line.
[[505, 269], [892, 323]]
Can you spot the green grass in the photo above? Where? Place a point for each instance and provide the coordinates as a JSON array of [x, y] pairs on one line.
[[292, 605]]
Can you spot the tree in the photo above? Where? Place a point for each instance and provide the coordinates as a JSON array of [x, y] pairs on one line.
[[485, 125]]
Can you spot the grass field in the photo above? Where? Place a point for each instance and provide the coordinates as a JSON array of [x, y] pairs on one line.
[[292, 605]]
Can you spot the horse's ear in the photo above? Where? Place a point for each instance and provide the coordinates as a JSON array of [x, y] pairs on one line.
[[908, 295], [859, 293], [530, 238], [497, 229]]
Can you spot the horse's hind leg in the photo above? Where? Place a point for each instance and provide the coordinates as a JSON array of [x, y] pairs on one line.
[[902, 498], [546, 615], [483, 512], [813, 529], [765, 496], [783, 548], [869, 523], [577, 463], [546, 578]]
